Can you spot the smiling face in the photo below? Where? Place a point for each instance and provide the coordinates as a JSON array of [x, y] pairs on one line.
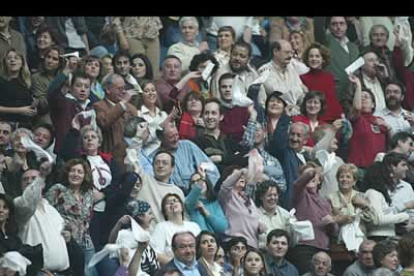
[[149, 95], [189, 31], [270, 199], [212, 116], [162, 166], [17, 144], [313, 106], [379, 37], [315, 59], [44, 41], [13, 62], [76, 175], [297, 137], [278, 247], [225, 40], [185, 248], [138, 68], [52, 60], [296, 41], [275, 107], [253, 263], [346, 181]]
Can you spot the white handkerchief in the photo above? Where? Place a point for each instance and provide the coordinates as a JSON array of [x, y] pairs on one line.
[[39, 152], [15, 261]]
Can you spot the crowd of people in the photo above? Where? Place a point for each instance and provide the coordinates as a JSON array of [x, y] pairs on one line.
[[206, 146]]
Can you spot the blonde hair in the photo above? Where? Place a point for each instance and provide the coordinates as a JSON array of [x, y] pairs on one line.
[[348, 167], [24, 74]]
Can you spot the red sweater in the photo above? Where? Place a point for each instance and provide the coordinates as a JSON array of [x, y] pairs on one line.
[[406, 76], [318, 80], [233, 122]]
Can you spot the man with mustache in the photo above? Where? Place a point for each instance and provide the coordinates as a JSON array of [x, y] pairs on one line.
[[239, 65], [394, 115], [282, 77]]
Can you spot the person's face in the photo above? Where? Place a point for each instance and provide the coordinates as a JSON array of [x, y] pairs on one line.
[[136, 188], [117, 90], [260, 135], [406, 147], [314, 183], [313, 106], [138, 68], [212, 116], [393, 95], [172, 137], [13, 62], [162, 166], [149, 95], [5, 133], [185, 248], [194, 105], [147, 217], [365, 255], [189, 31], [4, 21], [338, 27], [92, 68], [196, 178], [275, 107], [297, 137], [239, 59], [44, 41], [81, 89], [321, 265], [42, 137], [107, 64], [208, 245], [333, 146], [171, 69], [278, 247], [253, 263], [270, 199], [122, 66], [28, 177], [379, 37], [76, 175], [4, 211], [315, 59], [220, 256], [52, 60], [400, 171], [36, 21], [202, 65], [346, 181], [391, 261], [173, 206], [237, 251], [225, 90], [17, 144], [91, 142], [284, 55], [367, 104], [225, 40], [296, 41], [371, 61], [241, 183]]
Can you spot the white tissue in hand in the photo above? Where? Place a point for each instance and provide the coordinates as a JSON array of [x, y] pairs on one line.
[[15, 261], [38, 151]]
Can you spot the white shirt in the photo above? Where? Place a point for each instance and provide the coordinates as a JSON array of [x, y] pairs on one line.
[[184, 52], [397, 122], [152, 143], [376, 88], [402, 194]]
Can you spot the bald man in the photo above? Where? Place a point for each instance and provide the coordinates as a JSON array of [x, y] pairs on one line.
[[364, 266], [321, 265]]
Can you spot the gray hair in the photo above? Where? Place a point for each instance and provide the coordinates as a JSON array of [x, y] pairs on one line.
[[321, 252], [188, 18], [22, 130], [109, 80], [374, 27], [304, 126], [97, 130], [382, 271]]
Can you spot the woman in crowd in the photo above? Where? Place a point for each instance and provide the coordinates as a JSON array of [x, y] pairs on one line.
[[199, 63], [74, 200], [92, 67], [191, 123], [385, 255], [296, 39], [226, 37], [46, 37], [311, 206], [161, 238], [253, 263], [312, 107], [202, 204], [239, 208], [235, 249], [107, 65], [48, 70], [206, 250], [141, 68], [317, 57], [16, 101], [406, 253]]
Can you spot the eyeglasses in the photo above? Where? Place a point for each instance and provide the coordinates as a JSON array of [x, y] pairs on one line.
[[172, 201]]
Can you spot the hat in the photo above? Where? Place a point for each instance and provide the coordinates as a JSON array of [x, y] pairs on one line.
[[278, 95], [136, 207]]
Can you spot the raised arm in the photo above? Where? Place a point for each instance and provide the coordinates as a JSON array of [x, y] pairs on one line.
[[227, 185]]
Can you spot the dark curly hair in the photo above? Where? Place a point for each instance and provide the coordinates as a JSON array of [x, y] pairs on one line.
[[87, 183]]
